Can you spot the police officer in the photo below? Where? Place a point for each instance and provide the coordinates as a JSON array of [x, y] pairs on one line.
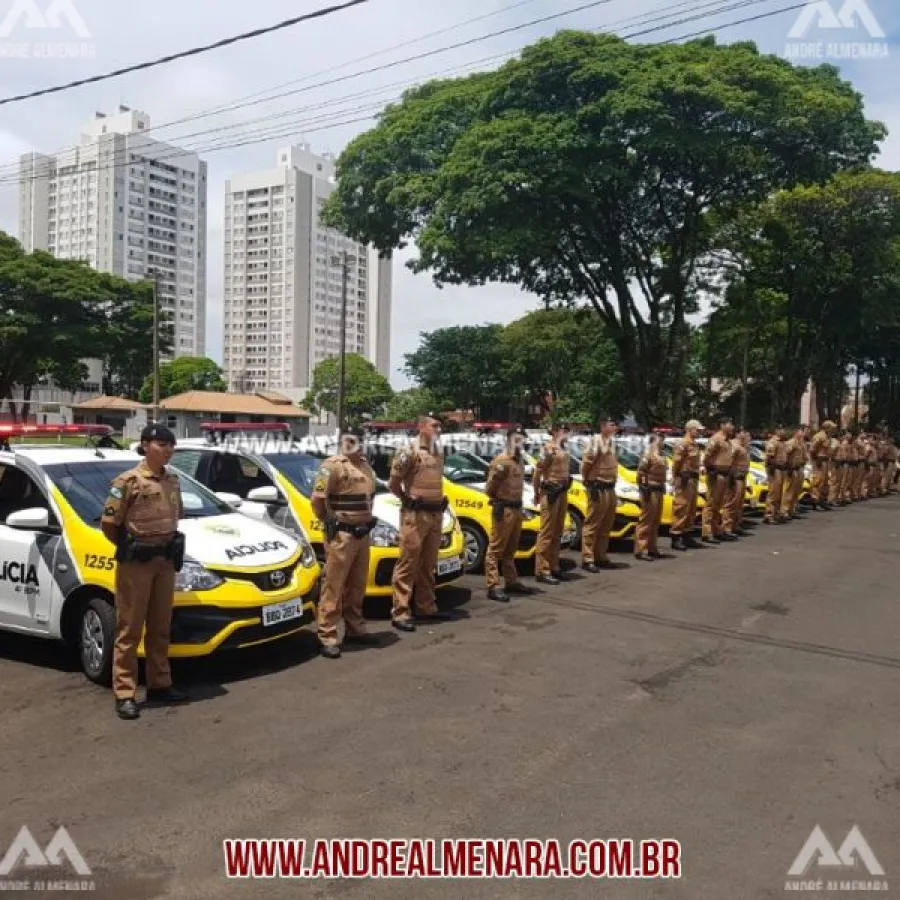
[[686, 480], [141, 519], [820, 454], [342, 499], [599, 471], [860, 472], [795, 454], [717, 465], [733, 510], [652, 472], [776, 467], [505, 483], [872, 475], [890, 465], [551, 480], [417, 478]]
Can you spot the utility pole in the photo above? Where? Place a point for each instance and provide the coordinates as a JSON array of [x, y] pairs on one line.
[[342, 260], [745, 378], [156, 346]]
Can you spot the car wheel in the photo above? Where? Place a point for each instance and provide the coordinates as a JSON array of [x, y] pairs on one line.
[[578, 522], [96, 636], [475, 547]]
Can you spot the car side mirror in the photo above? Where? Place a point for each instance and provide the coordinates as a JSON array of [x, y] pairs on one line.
[[268, 494], [231, 499], [31, 519]]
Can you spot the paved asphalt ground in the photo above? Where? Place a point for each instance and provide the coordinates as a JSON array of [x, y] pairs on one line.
[[731, 699]]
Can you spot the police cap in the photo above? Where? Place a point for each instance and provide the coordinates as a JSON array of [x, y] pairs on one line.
[[155, 432], [516, 430]]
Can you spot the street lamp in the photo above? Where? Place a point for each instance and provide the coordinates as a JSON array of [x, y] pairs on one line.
[[342, 262]]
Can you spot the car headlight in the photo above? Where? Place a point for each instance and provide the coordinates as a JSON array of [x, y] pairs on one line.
[[194, 577], [448, 520], [384, 535], [529, 515], [629, 492]]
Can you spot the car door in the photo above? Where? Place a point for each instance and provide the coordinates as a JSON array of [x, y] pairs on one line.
[[28, 587]]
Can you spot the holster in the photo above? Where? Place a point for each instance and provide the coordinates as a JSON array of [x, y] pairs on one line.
[[358, 531], [417, 505], [595, 488], [555, 490], [498, 507], [732, 480], [331, 528], [177, 550]]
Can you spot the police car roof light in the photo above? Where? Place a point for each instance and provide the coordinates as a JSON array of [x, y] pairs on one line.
[[23, 430]]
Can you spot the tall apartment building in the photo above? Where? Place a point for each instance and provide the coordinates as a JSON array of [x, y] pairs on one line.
[[283, 280], [129, 205]]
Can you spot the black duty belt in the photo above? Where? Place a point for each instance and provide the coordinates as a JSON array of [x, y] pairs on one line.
[[689, 476], [596, 486], [653, 488], [358, 531], [715, 471], [417, 505], [349, 502], [506, 504]]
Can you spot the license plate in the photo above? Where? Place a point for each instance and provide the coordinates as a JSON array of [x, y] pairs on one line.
[[277, 613], [446, 566]]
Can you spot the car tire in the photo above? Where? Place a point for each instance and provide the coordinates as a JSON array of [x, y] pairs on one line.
[[475, 547], [96, 637], [578, 521]]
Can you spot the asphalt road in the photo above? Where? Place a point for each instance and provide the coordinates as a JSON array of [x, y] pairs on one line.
[[730, 699]]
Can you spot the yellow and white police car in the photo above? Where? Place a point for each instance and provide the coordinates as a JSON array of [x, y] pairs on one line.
[[243, 582]]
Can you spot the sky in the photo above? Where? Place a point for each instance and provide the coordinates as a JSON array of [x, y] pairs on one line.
[[338, 49]]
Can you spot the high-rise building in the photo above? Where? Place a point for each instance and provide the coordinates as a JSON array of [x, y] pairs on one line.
[[283, 279], [129, 205]]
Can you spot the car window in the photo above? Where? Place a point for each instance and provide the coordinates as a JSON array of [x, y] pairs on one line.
[[628, 458], [299, 469], [465, 468], [86, 487], [18, 491], [188, 461]]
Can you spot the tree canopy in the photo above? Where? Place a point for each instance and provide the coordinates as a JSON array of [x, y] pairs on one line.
[[187, 373], [366, 390], [592, 169]]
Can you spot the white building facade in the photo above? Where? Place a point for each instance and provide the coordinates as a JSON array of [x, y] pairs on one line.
[[129, 205], [283, 280]]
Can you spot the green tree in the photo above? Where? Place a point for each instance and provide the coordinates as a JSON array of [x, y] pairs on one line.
[[406, 406], [462, 367], [588, 169], [366, 390], [186, 373], [816, 273], [554, 355]]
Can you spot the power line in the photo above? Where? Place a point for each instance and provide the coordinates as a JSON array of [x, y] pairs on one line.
[[756, 18], [193, 51], [285, 129]]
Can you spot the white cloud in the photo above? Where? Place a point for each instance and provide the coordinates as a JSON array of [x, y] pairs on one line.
[[316, 52]]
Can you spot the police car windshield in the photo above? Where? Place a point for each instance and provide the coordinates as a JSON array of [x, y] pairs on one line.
[[628, 458], [465, 468], [86, 487], [300, 469], [756, 454]]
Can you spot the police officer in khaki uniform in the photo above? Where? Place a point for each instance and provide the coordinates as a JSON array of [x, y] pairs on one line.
[[872, 474], [505, 484], [851, 465], [890, 470], [717, 466], [841, 469], [551, 480], [652, 473], [342, 498], [417, 478], [835, 455], [860, 473], [795, 454], [599, 471], [733, 510], [776, 467], [141, 519], [686, 480], [820, 454]]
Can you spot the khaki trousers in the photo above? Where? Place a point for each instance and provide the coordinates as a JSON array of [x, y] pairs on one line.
[[601, 513], [343, 587], [819, 487], [715, 498], [145, 593], [420, 541], [502, 547], [553, 518], [776, 492], [647, 534], [733, 510], [684, 508], [790, 492]]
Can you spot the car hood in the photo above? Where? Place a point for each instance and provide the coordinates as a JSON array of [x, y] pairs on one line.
[[236, 540], [387, 508]]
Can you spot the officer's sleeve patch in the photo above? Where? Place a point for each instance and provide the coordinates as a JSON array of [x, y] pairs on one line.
[[116, 492], [321, 483]]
